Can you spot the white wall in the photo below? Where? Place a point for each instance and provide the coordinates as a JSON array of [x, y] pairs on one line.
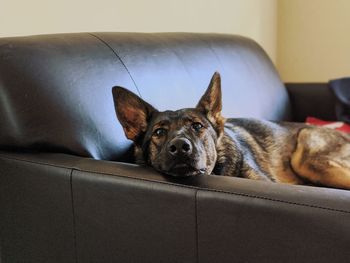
[[252, 18]]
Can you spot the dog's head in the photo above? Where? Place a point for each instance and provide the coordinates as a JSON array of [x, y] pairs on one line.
[[178, 143]]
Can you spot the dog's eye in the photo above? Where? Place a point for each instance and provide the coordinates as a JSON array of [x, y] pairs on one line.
[[160, 132], [197, 126]]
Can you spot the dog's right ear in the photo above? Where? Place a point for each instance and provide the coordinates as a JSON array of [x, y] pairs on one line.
[[132, 112]]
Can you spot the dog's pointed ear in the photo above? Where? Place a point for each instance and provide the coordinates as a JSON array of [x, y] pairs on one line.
[[210, 104], [132, 112]]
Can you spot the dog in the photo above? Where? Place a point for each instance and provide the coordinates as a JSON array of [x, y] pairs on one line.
[[197, 141]]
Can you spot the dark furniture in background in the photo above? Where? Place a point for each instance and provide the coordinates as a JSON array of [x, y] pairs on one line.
[[68, 194]]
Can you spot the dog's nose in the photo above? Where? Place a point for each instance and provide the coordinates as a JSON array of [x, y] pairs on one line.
[[180, 146]]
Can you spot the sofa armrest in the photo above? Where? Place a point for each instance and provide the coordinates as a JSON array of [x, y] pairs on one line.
[[131, 213], [36, 220], [311, 99]]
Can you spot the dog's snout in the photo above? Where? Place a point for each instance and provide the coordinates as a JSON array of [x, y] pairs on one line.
[[180, 146]]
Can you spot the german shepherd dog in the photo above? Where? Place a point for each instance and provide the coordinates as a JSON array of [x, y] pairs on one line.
[[196, 141]]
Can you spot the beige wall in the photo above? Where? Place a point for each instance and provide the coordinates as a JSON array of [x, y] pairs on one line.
[[252, 18], [313, 40], [309, 40]]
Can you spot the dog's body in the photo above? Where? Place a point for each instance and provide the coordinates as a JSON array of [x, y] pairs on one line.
[[199, 140], [264, 148], [288, 153]]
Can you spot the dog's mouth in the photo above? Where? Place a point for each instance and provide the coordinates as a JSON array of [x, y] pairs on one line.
[[184, 170]]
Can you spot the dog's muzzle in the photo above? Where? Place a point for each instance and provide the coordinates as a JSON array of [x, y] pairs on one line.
[[180, 147], [180, 151]]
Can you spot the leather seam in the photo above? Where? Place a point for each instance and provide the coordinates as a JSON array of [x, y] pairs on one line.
[[119, 58], [73, 213], [208, 45], [186, 186], [197, 231]]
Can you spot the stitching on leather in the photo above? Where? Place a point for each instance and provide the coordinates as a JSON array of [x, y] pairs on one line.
[[40, 163], [205, 42], [197, 232], [120, 59], [184, 186], [73, 213]]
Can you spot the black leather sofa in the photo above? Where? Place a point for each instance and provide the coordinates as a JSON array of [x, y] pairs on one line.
[[68, 192]]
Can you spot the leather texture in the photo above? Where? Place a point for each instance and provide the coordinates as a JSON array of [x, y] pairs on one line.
[[129, 213], [55, 90], [312, 100], [36, 220], [55, 96]]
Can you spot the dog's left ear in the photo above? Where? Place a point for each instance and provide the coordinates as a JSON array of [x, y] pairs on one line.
[[210, 103]]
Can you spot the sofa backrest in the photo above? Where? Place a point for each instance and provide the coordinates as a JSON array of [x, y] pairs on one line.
[[55, 90]]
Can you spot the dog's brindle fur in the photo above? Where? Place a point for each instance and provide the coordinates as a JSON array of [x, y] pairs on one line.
[[199, 140]]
